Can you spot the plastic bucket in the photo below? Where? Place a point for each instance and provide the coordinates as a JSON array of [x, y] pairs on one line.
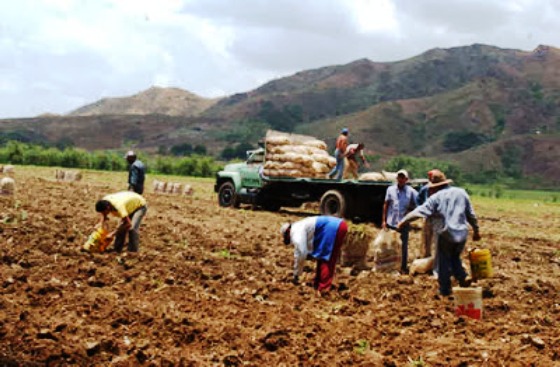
[[481, 263], [468, 302]]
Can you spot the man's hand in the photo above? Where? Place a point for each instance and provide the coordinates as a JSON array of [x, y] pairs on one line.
[[384, 225], [400, 226], [295, 280], [476, 236]]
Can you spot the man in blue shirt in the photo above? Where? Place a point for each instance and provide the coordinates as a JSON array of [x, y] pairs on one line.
[[136, 173], [399, 200], [454, 206]]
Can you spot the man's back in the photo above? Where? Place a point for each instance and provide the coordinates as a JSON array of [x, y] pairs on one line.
[[137, 176], [454, 205]]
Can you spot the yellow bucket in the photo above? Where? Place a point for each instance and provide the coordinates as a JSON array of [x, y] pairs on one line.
[[481, 263], [468, 302], [97, 241]]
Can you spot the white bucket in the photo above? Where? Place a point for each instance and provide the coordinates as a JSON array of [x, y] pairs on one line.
[[468, 302]]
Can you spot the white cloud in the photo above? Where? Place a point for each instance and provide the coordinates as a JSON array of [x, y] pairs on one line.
[[58, 54]]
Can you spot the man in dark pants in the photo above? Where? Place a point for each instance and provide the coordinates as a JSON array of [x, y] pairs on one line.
[[131, 208], [399, 200], [454, 206], [136, 173]]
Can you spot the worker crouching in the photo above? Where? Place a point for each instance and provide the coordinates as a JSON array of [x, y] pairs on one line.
[[130, 207], [320, 237]]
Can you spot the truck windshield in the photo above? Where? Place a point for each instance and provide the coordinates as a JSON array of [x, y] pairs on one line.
[[255, 156]]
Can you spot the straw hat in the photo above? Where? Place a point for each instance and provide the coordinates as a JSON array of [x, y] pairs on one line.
[[438, 179]]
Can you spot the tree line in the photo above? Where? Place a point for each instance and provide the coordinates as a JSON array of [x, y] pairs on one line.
[[14, 152]]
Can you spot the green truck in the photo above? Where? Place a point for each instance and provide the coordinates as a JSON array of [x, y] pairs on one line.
[[244, 183]]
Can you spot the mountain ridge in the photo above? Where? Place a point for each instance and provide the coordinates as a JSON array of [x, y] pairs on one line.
[[441, 103]]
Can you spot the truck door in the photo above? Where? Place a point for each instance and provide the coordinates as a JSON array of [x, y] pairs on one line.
[[250, 176]]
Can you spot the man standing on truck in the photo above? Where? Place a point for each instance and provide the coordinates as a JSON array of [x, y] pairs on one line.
[[341, 145], [320, 237], [399, 200], [351, 164]]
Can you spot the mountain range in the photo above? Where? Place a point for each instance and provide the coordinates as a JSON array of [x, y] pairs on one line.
[[485, 108]]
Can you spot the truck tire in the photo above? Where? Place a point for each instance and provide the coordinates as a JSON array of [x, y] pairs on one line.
[[227, 196], [333, 203], [272, 207]]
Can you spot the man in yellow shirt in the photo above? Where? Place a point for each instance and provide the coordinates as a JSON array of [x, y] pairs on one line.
[[131, 208]]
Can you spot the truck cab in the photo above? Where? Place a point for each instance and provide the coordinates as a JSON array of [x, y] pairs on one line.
[[239, 182]]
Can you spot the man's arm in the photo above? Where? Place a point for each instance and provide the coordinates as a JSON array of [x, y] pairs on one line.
[[384, 216], [471, 218], [299, 240]]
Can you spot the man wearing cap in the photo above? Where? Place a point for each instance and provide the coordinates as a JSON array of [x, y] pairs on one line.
[[136, 173], [400, 199], [454, 206], [320, 237], [341, 145], [130, 207]]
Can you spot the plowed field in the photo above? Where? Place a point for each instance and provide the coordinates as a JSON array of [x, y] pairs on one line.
[[211, 286]]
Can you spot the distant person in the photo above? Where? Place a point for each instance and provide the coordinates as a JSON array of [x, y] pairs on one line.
[[400, 199], [136, 173], [454, 206], [320, 237], [131, 208], [341, 145], [351, 164]]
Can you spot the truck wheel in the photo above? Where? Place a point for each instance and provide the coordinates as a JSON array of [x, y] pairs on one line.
[[333, 204], [227, 197], [272, 207]]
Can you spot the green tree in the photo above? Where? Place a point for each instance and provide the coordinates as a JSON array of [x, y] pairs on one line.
[[199, 149], [181, 149]]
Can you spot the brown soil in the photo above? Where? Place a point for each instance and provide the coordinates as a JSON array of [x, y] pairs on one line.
[[211, 286]]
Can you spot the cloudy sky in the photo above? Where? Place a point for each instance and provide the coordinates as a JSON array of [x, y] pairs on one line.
[[57, 55]]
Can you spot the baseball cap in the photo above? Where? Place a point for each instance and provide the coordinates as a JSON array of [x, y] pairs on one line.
[[130, 153], [402, 172], [344, 130]]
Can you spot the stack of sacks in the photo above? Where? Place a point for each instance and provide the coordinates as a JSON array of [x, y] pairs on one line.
[[175, 188], [291, 155]]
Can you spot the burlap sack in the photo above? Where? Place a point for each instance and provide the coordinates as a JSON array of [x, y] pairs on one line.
[[387, 251]]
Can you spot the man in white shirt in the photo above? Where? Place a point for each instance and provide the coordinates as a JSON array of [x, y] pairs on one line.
[[320, 237]]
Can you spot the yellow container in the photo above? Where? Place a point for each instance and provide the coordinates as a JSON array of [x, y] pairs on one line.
[[468, 302], [97, 241], [481, 263]]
